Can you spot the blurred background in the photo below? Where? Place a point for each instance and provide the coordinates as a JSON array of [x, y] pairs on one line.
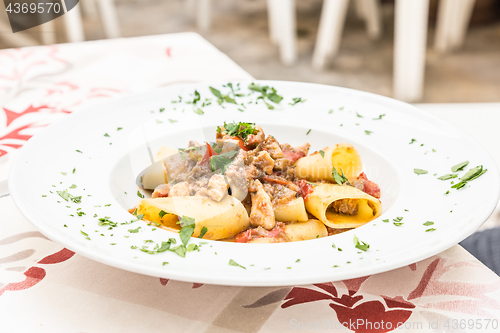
[[290, 40]]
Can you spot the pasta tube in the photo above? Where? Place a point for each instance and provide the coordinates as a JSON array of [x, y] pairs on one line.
[[155, 174], [319, 165], [221, 219], [292, 211], [297, 231], [311, 229], [343, 206]]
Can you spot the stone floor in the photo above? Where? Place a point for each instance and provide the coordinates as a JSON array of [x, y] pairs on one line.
[[240, 29]]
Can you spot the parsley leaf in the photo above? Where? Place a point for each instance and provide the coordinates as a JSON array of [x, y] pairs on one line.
[[222, 161], [234, 263], [420, 171], [459, 166], [241, 129], [339, 178], [322, 153], [203, 232], [187, 230], [448, 176], [470, 175], [360, 244], [297, 100]]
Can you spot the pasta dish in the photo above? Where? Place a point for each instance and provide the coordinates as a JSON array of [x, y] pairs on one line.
[[247, 187]]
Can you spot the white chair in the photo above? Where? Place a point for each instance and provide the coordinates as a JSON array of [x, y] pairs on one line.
[[452, 23], [74, 25], [331, 26], [282, 28], [410, 37]]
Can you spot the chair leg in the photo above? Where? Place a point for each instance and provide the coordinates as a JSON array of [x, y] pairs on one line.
[[203, 15], [330, 29], [452, 23], [88, 7], [445, 16], [74, 26], [462, 23], [273, 18], [285, 13], [109, 18], [19, 39], [410, 32], [48, 33], [373, 18]]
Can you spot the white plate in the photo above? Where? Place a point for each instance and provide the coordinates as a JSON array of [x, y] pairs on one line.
[[107, 172]]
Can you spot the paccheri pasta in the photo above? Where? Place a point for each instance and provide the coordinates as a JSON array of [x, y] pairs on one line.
[[249, 188]]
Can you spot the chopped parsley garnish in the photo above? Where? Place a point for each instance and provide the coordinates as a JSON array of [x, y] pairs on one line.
[[368, 132], [203, 232], [140, 195], [187, 230], [459, 166], [448, 176], [134, 231], [180, 250], [331, 111], [308, 132], [322, 153], [379, 117], [172, 121], [358, 115], [106, 135], [198, 111], [78, 151], [339, 178], [398, 219], [469, 176], [67, 196], [63, 173], [420, 171], [162, 213], [222, 98], [297, 100], [360, 244], [119, 128], [398, 224], [386, 220], [431, 229], [222, 161], [106, 221], [234, 263], [412, 141], [268, 93], [241, 130], [428, 223]]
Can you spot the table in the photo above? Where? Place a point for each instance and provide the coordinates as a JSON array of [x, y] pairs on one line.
[[47, 288]]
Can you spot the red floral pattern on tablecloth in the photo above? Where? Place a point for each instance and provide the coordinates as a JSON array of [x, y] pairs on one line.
[[389, 313], [31, 74]]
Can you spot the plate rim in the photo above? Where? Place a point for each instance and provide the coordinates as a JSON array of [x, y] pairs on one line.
[[141, 268]]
